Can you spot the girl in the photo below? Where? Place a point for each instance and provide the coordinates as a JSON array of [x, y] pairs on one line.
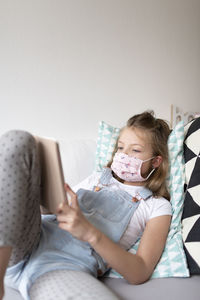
[[104, 218]]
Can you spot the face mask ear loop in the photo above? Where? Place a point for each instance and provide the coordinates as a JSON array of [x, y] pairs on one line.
[[150, 173], [151, 170], [148, 159]]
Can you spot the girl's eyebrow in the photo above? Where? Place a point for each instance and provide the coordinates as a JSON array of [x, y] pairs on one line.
[[132, 144]]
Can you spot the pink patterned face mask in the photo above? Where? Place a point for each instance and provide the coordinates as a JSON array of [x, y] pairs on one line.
[[128, 167]]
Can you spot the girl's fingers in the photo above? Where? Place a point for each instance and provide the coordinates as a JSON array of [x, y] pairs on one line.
[[64, 208], [69, 189], [73, 196], [61, 208]]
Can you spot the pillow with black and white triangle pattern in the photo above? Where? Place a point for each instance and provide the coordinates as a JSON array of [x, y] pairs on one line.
[[191, 210]]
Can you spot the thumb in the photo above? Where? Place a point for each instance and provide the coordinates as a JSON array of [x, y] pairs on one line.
[[73, 196]]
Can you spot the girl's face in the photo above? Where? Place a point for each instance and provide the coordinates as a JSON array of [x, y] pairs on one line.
[[135, 142]]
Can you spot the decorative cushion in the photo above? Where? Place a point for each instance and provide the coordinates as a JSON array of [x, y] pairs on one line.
[[191, 212], [173, 260], [107, 137]]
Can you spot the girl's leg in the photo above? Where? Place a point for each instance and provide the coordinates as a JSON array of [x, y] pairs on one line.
[[68, 285], [19, 196]]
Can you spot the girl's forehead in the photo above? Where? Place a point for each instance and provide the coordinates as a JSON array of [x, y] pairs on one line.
[[133, 133]]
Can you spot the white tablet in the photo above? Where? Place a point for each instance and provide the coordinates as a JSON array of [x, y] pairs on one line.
[[52, 177]]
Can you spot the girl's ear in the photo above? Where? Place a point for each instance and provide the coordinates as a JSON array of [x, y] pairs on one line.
[[157, 161]]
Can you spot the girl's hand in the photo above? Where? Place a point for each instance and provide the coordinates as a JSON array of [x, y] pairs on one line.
[[71, 219]]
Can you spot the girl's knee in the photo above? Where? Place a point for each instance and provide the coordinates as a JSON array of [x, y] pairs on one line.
[[16, 141]]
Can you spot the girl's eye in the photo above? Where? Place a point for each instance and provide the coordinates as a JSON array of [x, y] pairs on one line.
[[136, 150], [119, 148]]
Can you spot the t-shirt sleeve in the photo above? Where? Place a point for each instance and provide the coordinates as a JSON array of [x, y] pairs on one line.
[[161, 207], [89, 182]]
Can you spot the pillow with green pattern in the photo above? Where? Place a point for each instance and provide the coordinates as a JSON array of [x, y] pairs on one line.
[[107, 137], [173, 261]]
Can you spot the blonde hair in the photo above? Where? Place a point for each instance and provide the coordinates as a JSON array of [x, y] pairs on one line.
[[158, 131]]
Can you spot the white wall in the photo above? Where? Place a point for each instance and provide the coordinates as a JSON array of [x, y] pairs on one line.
[[66, 64]]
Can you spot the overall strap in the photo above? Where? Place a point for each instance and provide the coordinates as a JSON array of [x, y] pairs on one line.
[[106, 176]]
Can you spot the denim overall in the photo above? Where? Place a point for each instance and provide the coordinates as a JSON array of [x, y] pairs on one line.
[[108, 210]]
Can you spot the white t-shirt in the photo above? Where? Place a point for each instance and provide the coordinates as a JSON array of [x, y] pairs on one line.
[[147, 209]]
